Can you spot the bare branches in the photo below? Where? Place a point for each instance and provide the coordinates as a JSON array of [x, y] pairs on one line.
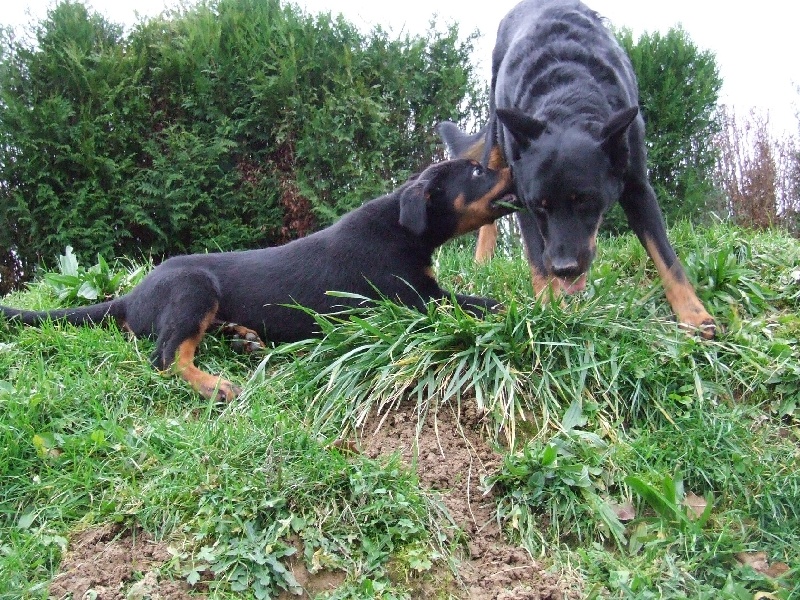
[[758, 173]]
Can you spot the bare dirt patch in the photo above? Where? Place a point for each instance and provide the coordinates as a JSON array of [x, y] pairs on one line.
[[452, 456], [111, 563]]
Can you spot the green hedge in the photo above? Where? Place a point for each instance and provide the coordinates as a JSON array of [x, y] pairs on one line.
[[229, 124]]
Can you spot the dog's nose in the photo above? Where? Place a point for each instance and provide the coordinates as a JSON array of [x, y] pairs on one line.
[[564, 267]]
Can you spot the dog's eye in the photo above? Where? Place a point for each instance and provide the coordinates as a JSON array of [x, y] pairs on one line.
[[477, 172]]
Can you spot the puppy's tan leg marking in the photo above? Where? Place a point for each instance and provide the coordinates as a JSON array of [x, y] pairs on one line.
[[209, 386]]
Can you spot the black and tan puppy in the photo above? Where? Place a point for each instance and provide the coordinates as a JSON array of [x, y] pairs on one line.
[[564, 114], [384, 247]]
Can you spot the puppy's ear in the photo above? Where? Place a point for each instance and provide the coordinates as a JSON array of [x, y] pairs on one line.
[[615, 138], [414, 206], [460, 144], [523, 128]]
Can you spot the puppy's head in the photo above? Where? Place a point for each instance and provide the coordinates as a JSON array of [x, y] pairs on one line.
[[453, 197], [567, 178]]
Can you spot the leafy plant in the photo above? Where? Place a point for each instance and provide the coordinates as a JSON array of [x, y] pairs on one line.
[[251, 560], [74, 284], [667, 502], [726, 279], [563, 482]]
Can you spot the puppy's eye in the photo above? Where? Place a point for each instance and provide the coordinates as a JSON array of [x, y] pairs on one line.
[[477, 172]]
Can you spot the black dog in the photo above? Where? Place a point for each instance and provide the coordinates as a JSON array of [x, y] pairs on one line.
[[382, 248], [564, 114]]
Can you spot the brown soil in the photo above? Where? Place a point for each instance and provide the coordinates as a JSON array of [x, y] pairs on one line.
[[451, 457], [108, 563]]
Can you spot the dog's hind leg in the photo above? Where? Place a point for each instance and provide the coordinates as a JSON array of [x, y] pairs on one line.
[[487, 234], [185, 316], [210, 386]]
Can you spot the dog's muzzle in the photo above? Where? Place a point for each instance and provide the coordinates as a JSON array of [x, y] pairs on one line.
[[506, 204]]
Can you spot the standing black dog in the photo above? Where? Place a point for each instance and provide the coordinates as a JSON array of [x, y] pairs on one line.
[[385, 247], [564, 114]]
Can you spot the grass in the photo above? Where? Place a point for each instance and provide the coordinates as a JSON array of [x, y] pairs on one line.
[[645, 459]]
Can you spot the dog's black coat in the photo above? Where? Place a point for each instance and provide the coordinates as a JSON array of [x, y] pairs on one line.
[[564, 114], [383, 248]]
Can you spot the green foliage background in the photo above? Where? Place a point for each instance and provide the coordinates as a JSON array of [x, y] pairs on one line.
[[679, 86], [234, 124], [226, 125]]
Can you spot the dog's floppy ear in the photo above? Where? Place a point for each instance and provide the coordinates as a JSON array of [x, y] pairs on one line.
[[615, 137], [525, 129], [414, 206]]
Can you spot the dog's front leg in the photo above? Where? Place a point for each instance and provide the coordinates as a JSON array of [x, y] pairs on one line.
[[487, 240], [644, 217]]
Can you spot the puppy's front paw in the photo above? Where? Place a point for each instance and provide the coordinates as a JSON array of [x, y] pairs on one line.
[[706, 329], [223, 391], [497, 307], [243, 339], [479, 306]]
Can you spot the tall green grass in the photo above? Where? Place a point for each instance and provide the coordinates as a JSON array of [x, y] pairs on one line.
[[596, 403]]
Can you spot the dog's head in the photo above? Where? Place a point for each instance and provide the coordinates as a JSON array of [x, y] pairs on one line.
[[567, 178], [454, 197]]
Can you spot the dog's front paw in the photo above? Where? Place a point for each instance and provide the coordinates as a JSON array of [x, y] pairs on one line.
[[497, 307], [479, 306], [694, 318], [222, 391], [705, 328]]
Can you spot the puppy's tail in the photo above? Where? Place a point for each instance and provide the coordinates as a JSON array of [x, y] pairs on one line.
[[460, 144], [84, 315]]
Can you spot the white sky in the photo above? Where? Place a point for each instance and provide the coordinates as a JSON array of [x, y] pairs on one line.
[[757, 46]]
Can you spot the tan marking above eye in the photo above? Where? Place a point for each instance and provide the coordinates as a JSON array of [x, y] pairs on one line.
[[496, 159]]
